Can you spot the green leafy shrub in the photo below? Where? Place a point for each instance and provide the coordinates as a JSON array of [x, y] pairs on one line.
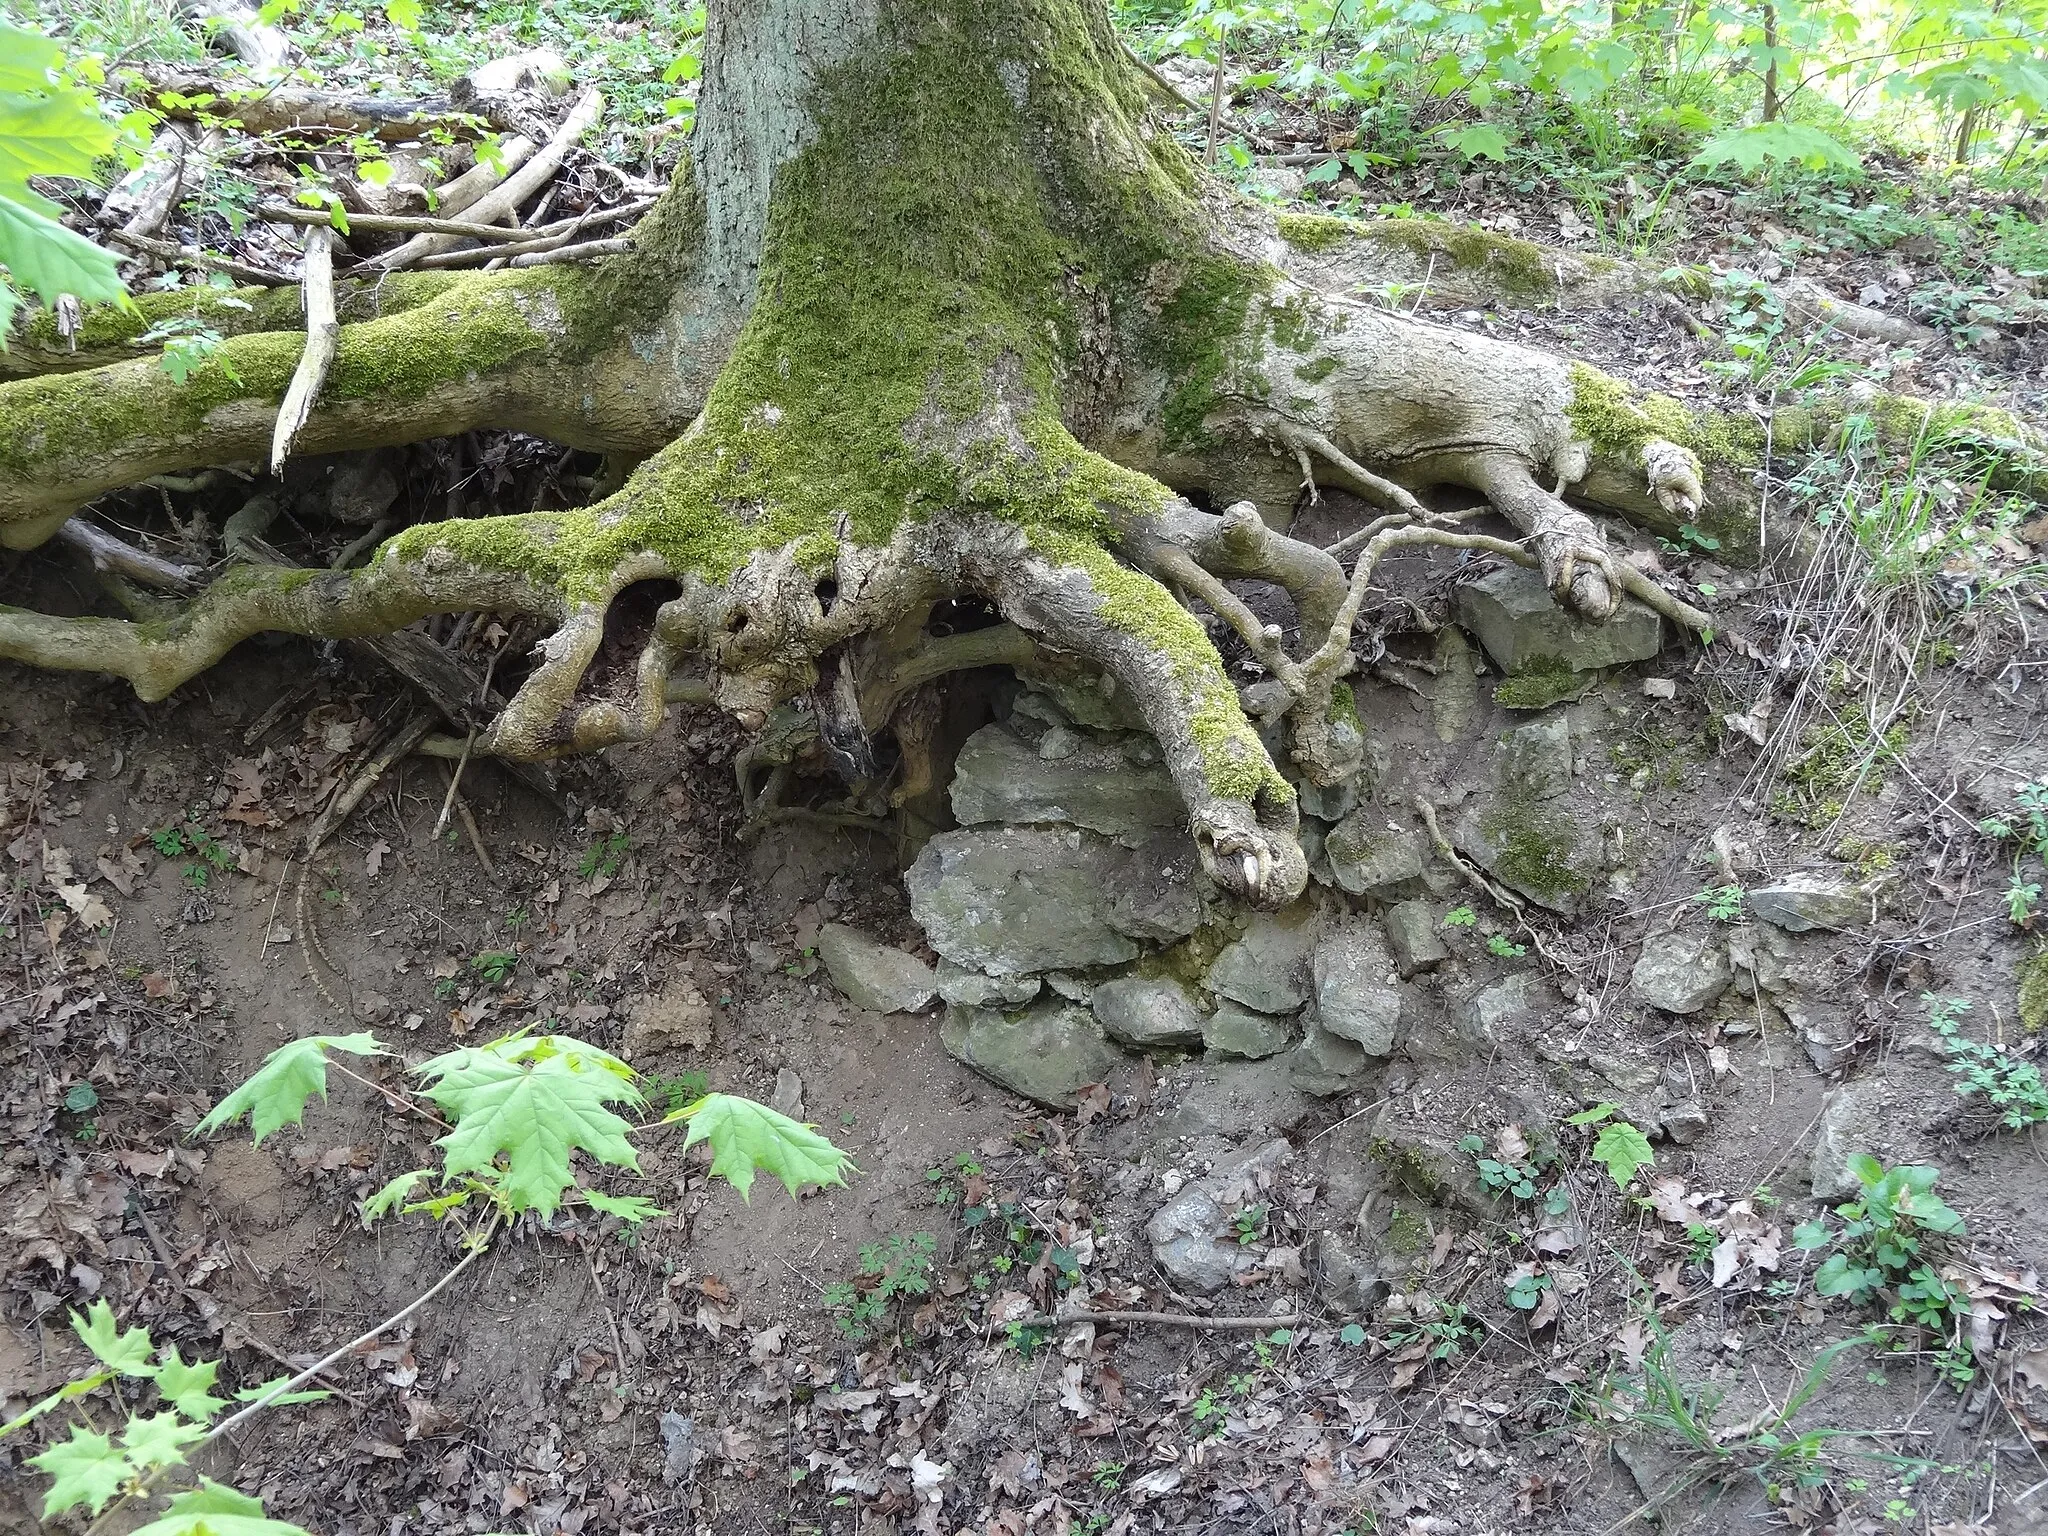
[[2010, 1085]]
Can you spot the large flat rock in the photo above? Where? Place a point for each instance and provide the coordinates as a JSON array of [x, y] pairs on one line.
[[1063, 777], [1515, 618], [1048, 1053], [1017, 900]]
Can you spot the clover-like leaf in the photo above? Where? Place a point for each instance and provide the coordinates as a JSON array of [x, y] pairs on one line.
[[746, 1136], [290, 1075], [212, 1510], [159, 1440], [127, 1352], [189, 1388], [86, 1469], [532, 1099], [1624, 1150]]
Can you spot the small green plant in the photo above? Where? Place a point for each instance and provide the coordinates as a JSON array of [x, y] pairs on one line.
[[1250, 1224], [189, 344], [1502, 1175], [495, 965], [674, 1092], [604, 856], [1621, 1148], [207, 858], [1500, 944], [1887, 1246], [1461, 917], [948, 1180], [1723, 902], [2010, 1085], [896, 1267], [1210, 1414], [2025, 826], [1448, 1329], [1525, 1286]]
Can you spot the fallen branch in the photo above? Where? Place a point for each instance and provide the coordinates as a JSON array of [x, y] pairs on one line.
[[404, 223], [589, 250], [1166, 1319], [192, 255], [549, 237], [121, 558], [323, 334], [499, 204]]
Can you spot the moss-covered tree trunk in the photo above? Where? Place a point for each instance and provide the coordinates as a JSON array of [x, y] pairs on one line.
[[936, 312]]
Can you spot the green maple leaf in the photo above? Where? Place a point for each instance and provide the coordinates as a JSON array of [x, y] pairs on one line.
[[48, 127], [212, 1510], [392, 1195], [289, 1076], [534, 1099], [188, 1388], [86, 1469], [127, 1352], [159, 1440], [745, 1136], [631, 1209], [1625, 1150]]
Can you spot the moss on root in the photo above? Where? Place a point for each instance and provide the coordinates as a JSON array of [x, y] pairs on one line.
[[1233, 760], [1314, 232]]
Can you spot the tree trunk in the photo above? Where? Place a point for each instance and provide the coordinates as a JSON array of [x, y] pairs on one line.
[[934, 312]]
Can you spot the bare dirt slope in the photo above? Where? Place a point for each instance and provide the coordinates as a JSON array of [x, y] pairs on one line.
[[704, 1376]]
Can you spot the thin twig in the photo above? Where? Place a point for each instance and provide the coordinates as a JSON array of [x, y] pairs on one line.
[[454, 780], [323, 333], [283, 1388], [1167, 1319]]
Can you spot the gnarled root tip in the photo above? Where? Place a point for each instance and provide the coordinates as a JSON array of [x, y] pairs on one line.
[[1259, 865], [1675, 476]]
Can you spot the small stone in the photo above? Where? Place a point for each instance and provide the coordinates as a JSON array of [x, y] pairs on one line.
[[788, 1098], [1048, 1053], [1413, 937], [1660, 688], [1354, 999], [763, 959], [1171, 1181], [1806, 900], [1369, 858], [1512, 614], [1190, 1234], [678, 1446], [1325, 1064], [1239, 1033], [957, 984], [1848, 1127], [1148, 1014], [1681, 972], [1327, 802], [1351, 1282], [1267, 969], [874, 975], [669, 1021], [1686, 1122], [1496, 1013], [1059, 743]]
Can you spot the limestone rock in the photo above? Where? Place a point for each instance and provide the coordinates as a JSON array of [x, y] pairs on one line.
[[1065, 777], [1681, 972], [1047, 1053], [1325, 1064], [1413, 937], [1805, 900], [1013, 900], [1849, 1125], [1351, 1282], [788, 1098], [1524, 828], [957, 984], [678, 1019], [1369, 858], [1190, 1234], [1267, 969], [1354, 998], [875, 975], [1148, 1013], [1232, 1099], [1234, 1032], [1512, 614]]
